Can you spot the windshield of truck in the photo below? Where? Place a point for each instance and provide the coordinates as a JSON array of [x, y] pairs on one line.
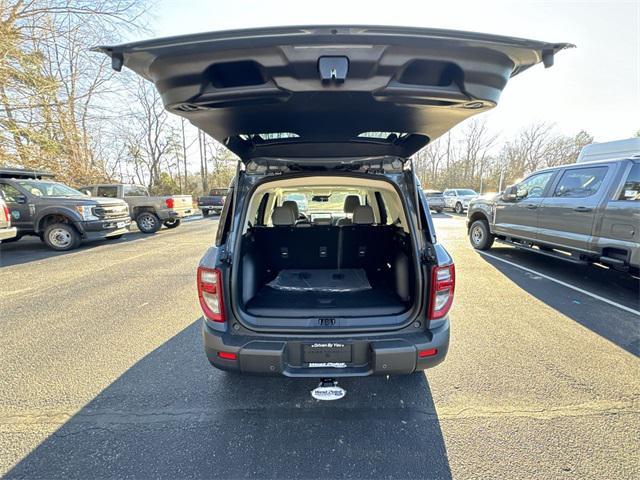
[[41, 188], [218, 192]]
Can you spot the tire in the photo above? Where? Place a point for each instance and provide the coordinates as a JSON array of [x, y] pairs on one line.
[[172, 223], [480, 236], [61, 237], [115, 237], [205, 213], [459, 209], [148, 222], [438, 210]]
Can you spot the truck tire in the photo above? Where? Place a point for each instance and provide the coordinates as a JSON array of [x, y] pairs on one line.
[[459, 209], [61, 237], [438, 210], [172, 223], [148, 222], [205, 213], [480, 236]]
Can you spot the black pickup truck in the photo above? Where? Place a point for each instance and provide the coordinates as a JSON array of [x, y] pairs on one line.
[[60, 215], [212, 202]]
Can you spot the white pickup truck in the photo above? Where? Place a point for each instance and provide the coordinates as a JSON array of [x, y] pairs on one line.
[[149, 212]]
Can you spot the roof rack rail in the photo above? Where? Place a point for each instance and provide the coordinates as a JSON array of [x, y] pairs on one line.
[[24, 173]]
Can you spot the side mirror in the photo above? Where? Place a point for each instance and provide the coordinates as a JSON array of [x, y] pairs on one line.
[[21, 199], [510, 194], [87, 193]]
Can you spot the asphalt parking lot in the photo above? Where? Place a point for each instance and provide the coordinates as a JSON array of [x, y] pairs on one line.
[[102, 374]]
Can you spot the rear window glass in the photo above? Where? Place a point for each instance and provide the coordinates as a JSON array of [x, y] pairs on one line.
[[631, 187], [135, 191], [580, 182], [218, 192]]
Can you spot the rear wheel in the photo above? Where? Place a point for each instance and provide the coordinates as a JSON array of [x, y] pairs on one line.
[[61, 237], [480, 236], [148, 222], [438, 210], [458, 208], [205, 213], [172, 223]]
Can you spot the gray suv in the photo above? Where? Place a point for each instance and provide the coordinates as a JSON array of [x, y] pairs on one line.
[[584, 212], [326, 262]]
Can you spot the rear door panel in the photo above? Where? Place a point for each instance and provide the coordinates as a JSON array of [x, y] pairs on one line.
[[326, 86]]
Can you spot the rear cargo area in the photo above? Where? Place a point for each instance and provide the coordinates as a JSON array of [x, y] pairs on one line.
[[326, 271]]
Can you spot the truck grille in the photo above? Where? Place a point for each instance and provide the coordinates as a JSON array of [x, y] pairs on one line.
[[111, 211]]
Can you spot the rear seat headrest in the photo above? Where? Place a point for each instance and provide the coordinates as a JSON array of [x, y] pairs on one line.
[[350, 203], [363, 215], [294, 205], [283, 216]]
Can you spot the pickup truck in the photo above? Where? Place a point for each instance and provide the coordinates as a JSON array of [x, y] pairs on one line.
[[7, 232], [60, 215], [457, 199], [584, 212], [149, 212], [212, 202]]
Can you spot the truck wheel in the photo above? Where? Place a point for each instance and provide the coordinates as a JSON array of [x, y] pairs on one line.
[[148, 222], [438, 210], [172, 223], [61, 237], [480, 236], [205, 213], [458, 208]]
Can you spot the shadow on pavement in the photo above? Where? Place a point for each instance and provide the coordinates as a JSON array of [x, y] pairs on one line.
[[614, 324], [171, 415]]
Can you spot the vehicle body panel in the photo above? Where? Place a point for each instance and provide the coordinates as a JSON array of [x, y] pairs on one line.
[[6, 230], [413, 83], [214, 201], [436, 200]]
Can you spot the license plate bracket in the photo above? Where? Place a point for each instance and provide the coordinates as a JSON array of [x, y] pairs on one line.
[[330, 352]]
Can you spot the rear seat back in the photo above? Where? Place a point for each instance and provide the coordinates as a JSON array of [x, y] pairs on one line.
[[349, 246]]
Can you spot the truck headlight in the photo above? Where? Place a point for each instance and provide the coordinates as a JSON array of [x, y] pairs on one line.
[[86, 212]]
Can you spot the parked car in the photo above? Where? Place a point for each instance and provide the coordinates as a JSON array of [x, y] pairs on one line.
[[60, 215], [212, 202], [314, 299], [7, 232], [457, 199], [435, 199], [585, 212], [149, 212]]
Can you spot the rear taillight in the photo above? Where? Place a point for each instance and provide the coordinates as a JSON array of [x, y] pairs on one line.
[[7, 216], [210, 293], [443, 282], [170, 202]]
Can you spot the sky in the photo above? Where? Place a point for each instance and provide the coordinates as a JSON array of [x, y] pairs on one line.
[[595, 87]]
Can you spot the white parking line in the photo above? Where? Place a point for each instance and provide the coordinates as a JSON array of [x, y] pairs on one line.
[[564, 284]]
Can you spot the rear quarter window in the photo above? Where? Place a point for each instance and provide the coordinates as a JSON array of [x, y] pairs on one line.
[[631, 187], [580, 182]]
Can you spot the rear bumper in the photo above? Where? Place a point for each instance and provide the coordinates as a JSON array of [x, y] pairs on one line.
[[173, 214], [7, 233], [216, 208], [380, 355]]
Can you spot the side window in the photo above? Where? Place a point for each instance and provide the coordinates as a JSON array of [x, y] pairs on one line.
[[224, 225], [631, 187], [580, 182], [533, 187], [10, 192], [109, 192]]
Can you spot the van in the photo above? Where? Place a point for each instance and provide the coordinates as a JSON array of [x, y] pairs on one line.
[[326, 262]]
